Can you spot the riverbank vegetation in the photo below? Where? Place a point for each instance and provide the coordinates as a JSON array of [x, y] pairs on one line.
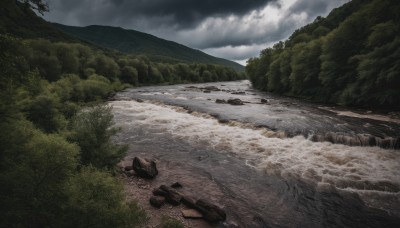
[[57, 159], [57, 156], [351, 57]]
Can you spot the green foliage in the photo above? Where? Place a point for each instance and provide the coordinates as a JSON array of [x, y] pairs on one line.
[[44, 182], [34, 168], [96, 199], [167, 222], [56, 157], [138, 43], [129, 75], [92, 131], [350, 58]]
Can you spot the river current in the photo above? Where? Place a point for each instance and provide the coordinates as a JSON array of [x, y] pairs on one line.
[[272, 162]]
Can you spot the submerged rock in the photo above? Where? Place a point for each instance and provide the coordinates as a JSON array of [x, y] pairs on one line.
[[236, 101], [212, 88], [144, 168], [239, 93], [264, 101], [220, 101]]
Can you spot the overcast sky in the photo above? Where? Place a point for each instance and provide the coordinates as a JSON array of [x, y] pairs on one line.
[[231, 29]]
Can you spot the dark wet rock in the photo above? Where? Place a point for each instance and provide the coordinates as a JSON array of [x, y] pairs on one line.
[[191, 87], [130, 173], [212, 88], [239, 93], [159, 192], [223, 121], [171, 195], [128, 168], [144, 168], [206, 91], [235, 102], [264, 101], [139, 100], [189, 201], [211, 212], [157, 201], [191, 214], [176, 185], [229, 225], [220, 101]]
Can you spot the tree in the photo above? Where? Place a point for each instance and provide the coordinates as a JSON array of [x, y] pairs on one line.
[[130, 75], [93, 130], [96, 199]]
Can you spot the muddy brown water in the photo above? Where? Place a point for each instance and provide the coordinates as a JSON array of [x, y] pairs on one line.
[[267, 165]]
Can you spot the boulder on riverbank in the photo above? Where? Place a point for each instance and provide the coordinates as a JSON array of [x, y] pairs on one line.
[[199, 208], [191, 214], [211, 212], [171, 195], [157, 201], [144, 168]]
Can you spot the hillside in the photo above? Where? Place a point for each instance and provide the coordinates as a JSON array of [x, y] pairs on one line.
[[19, 20], [351, 57], [135, 42]]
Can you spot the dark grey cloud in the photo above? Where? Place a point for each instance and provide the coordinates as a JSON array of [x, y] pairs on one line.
[[182, 13], [232, 29]]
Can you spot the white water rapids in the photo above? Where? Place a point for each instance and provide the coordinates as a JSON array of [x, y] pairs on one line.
[[350, 168], [303, 159]]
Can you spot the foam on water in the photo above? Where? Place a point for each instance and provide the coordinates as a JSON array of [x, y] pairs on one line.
[[355, 169]]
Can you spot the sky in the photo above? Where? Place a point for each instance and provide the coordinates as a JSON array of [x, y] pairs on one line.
[[230, 29]]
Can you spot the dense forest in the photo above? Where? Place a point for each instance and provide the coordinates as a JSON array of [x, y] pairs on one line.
[[139, 43], [351, 57], [57, 157]]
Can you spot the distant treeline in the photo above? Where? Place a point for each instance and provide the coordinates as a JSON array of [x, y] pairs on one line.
[[55, 60], [352, 57]]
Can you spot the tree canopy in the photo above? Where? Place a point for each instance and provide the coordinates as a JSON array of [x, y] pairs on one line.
[[351, 57]]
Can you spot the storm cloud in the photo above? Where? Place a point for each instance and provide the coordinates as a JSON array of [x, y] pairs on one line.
[[231, 29]]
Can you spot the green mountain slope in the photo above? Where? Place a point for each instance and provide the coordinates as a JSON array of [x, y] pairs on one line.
[[19, 20], [351, 57], [135, 42]]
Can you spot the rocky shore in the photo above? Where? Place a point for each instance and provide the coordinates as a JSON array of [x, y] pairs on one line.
[[162, 198]]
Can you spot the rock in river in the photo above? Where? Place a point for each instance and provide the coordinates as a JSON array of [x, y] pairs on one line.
[[235, 102]]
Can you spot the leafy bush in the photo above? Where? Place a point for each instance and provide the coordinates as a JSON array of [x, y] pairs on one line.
[[93, 129], [96, 199], [33, 170], [167, 222]]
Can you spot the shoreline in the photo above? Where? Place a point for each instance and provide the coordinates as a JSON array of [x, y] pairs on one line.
[[140, 190]]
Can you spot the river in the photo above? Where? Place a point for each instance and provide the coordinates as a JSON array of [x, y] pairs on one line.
[[272, 162]]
